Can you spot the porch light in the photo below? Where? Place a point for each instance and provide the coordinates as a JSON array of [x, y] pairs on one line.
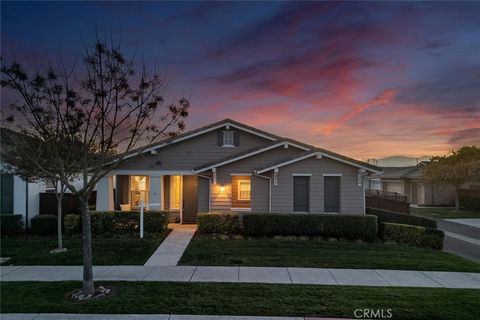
[[222, 189]]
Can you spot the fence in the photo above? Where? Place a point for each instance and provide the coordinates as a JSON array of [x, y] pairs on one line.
[[386, 200], [48, 203]]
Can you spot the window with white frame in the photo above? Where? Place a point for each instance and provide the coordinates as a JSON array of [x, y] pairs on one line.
[[228, 138], [243, 190]]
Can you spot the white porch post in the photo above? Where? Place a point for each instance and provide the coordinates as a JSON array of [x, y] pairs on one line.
[[156, 194], [105, 194]]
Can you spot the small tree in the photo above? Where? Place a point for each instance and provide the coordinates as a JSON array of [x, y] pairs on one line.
[[100, 117], [21, 153], [456, 168]]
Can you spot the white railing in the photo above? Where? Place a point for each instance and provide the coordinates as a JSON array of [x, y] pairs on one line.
[[142, 207]]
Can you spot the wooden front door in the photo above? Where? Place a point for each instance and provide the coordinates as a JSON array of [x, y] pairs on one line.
[[190, 199]]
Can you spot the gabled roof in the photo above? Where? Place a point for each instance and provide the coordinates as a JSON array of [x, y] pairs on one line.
[[404, 172], [252, 130], [319, 153], [202, 130], [245, 154]]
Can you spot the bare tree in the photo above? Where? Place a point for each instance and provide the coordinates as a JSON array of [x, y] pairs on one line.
[[101, 114]]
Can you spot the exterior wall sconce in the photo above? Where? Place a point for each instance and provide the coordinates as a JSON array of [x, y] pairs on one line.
[[222, 189]]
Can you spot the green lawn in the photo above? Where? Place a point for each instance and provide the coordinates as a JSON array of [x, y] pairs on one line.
[[445, 213], [114, 250], [321, 254], [244, 299]]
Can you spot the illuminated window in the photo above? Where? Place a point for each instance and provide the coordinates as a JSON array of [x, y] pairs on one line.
[[175, 191], [244, 190], [228, 138], [138, 190]]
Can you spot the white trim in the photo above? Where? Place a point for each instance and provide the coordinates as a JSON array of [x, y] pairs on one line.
[[332, 175], [241, 209], [188, 136], [285, 163], [315, 154], [246, 156], [240, 174], [152, 172], [301, 174]]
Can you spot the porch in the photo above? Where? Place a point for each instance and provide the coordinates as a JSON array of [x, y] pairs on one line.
[[183, 194]]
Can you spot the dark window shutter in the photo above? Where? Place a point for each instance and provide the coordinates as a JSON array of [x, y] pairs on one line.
[[236, 138], [219, 138]]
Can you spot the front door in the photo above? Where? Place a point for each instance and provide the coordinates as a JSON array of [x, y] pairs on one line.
[[332, 194], [190, 199]]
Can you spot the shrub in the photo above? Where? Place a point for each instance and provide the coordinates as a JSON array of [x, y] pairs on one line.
[[11, 224], [419, 236], [72, 223], [44, 224], [218, 222], [394, 217], [128, 221], [325, 225], [469, 201]]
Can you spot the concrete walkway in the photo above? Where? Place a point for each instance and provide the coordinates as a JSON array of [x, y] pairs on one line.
[[45, 316], [315, 276], [171, 249]]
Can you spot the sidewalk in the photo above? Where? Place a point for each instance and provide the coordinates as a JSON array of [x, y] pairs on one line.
[[171, 249], [45, 316], [315, 276]]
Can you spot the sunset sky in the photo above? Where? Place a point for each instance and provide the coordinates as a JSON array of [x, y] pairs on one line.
[[361, 79]]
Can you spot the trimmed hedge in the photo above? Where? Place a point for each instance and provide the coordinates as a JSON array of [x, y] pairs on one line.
[[325, 225], [11, 224], [218, 222], [44, 224], [119, 221], [395, 217], [419, 236], [72, 223]]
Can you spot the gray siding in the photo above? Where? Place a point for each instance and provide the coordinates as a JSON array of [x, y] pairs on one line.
[[351, 195], [222, 201], [203, 194], [187, 154]]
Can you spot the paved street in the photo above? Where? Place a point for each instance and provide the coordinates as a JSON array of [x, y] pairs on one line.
[[317, 276], [462, 237]]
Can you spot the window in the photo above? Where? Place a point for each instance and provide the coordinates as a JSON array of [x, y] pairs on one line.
[[228, 138], [244, 190], [138, 190], [175, 191]]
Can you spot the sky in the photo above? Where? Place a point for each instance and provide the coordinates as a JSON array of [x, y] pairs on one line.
[[364, 79]]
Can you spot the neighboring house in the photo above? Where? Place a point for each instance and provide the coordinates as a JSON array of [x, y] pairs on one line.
[[405, 180], [18, 196], [229, 166]]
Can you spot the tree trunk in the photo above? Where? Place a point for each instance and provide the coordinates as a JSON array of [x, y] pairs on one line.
[[59, 219], [457, 198], [88, 286]]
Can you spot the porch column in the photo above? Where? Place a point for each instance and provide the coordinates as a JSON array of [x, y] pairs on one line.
[[156, 194], [105, 194]]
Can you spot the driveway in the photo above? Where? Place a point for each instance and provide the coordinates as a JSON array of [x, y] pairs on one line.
[[462, 237]]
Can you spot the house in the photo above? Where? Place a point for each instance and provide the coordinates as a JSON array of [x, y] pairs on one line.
[[229, 166], [19, 196], [406, 180]]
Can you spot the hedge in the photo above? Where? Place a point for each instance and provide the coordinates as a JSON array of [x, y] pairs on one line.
[[218, 222], [11, 224], [394, 217], [326, 225], [119, 221], [44, 224], [419, 236]]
